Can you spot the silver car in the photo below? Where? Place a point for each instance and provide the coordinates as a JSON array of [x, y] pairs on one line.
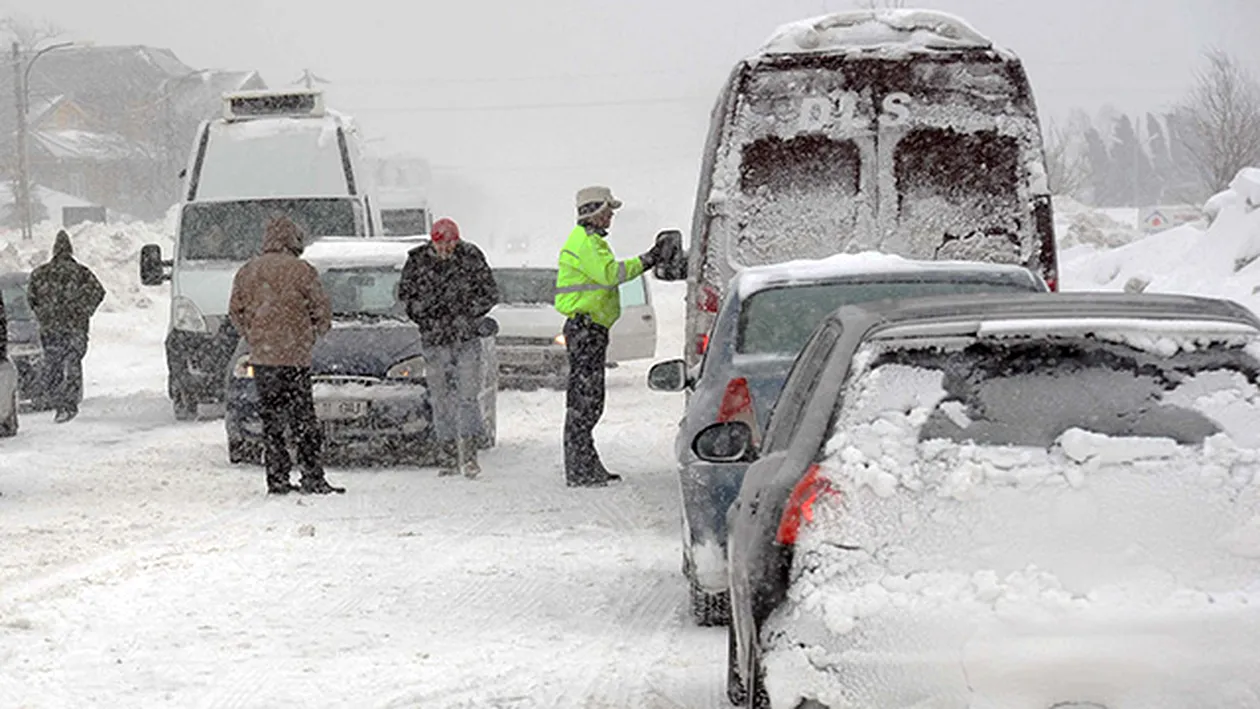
[[1017, 501], [531, 333], [768, 313]]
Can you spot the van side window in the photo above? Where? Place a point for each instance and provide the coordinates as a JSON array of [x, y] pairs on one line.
[[789, 410]]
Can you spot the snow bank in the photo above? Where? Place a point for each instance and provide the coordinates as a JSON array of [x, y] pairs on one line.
[[1076, 224], [112, 251], [1218, 262]]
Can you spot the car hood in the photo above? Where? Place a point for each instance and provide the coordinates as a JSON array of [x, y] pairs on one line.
[[367, 350]]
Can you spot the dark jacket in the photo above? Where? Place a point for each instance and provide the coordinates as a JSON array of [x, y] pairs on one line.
[[278, 302], [448, 297], [4, 332], [64, 293]]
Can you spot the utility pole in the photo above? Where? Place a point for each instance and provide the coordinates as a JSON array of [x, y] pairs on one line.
[[21, 200]]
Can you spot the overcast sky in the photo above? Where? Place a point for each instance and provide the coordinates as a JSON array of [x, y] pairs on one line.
[[473, 85]]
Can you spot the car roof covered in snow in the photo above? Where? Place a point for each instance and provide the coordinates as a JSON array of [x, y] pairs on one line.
[[868, 265], [1070, 312], [893, 32], [357, 252]]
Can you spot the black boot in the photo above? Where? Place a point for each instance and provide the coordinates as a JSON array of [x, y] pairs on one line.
[[319, 486], [280, 487]]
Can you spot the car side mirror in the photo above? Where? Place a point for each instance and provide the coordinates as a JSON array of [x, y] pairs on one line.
[[673, 263], [728, 442], [668, 376], [152, 267]]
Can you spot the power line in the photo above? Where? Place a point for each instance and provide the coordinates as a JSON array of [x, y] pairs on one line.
[[532, 106]]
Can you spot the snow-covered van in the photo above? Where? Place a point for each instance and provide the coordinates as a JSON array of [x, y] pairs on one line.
[[901, 131], [271, 152]]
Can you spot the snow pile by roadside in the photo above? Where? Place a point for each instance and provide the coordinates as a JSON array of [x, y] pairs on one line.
[[1076, 224], [1220, 261], [112, 251]]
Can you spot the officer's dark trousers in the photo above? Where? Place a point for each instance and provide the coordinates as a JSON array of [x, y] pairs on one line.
[[285, 401], [587, 344]]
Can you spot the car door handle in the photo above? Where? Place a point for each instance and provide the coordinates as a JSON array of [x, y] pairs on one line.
[[648, 317]]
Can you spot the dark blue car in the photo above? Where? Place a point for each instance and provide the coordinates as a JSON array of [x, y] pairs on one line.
[[764, 320], [368, 372]]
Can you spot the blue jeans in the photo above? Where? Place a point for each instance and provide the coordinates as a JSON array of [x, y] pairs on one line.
[[63, 369], [454, 379]]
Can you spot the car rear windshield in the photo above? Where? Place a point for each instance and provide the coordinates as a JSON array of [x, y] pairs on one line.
[[359, 291], [233, 231], [526, 286], [1029, 393], [780, 320], [15, 305]]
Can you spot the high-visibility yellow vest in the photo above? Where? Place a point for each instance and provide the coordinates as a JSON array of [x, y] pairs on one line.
[[590, 277]]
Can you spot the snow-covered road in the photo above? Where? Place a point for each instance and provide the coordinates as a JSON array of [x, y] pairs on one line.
[[140, 569]]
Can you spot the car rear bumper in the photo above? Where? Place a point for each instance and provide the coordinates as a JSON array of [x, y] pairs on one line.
[[708, 489], [1110, 658]]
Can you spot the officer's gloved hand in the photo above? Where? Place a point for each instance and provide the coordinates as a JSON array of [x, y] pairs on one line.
[[648, 259]]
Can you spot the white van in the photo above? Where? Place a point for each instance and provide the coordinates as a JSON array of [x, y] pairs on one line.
[[901, 131], [272, 152]]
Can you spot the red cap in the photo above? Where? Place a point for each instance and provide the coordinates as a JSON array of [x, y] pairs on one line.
[[444, 230]]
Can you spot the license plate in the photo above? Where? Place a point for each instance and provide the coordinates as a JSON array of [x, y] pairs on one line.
[[337, 409]]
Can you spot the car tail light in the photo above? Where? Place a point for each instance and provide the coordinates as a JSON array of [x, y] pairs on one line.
[[736, 402], [702, 344], [1053, 283], [708, 300], [800, 505]]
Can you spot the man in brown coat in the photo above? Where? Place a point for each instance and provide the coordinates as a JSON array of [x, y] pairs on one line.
[[279, 306]]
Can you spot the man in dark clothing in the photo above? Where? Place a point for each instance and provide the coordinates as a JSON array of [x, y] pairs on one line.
[[279, 306], [64, 294], [447, 288]]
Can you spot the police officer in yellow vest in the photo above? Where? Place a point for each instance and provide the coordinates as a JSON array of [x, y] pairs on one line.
[[588, 295]]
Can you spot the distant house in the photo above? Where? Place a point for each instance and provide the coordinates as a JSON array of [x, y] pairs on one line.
[[113, 125]]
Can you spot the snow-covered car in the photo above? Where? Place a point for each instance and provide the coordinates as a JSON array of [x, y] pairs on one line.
[[531, 333], [904, 131], [1020, 501], [25, 349], [368, 372], [8, 382], [766, 317]]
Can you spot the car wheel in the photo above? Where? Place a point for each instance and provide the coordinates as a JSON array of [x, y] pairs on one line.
[[9, 426], [243, 451], [736, 692], [709, 609], [185, 407]]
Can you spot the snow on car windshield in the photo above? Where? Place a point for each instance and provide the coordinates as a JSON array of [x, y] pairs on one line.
[[362, 291], [763, 329], [1064, 488], [233, 231]]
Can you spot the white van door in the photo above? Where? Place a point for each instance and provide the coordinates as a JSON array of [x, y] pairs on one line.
[[634, 335]]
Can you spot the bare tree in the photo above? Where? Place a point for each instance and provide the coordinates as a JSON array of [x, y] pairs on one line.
[[1221, 121], [1067, 165], [28, 33]]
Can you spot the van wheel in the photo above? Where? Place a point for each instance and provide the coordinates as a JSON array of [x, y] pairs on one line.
[[709, 609]]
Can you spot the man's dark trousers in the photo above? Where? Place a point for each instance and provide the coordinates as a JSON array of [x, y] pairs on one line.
[[587, 344], [63, 369], [285, 401]]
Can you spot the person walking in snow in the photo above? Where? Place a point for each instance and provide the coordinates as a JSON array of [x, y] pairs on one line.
[[279, 306], [588, 295], [447, 289], [64, 294]]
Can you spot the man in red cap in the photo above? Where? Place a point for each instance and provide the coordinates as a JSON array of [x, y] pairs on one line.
[[447, 288]]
